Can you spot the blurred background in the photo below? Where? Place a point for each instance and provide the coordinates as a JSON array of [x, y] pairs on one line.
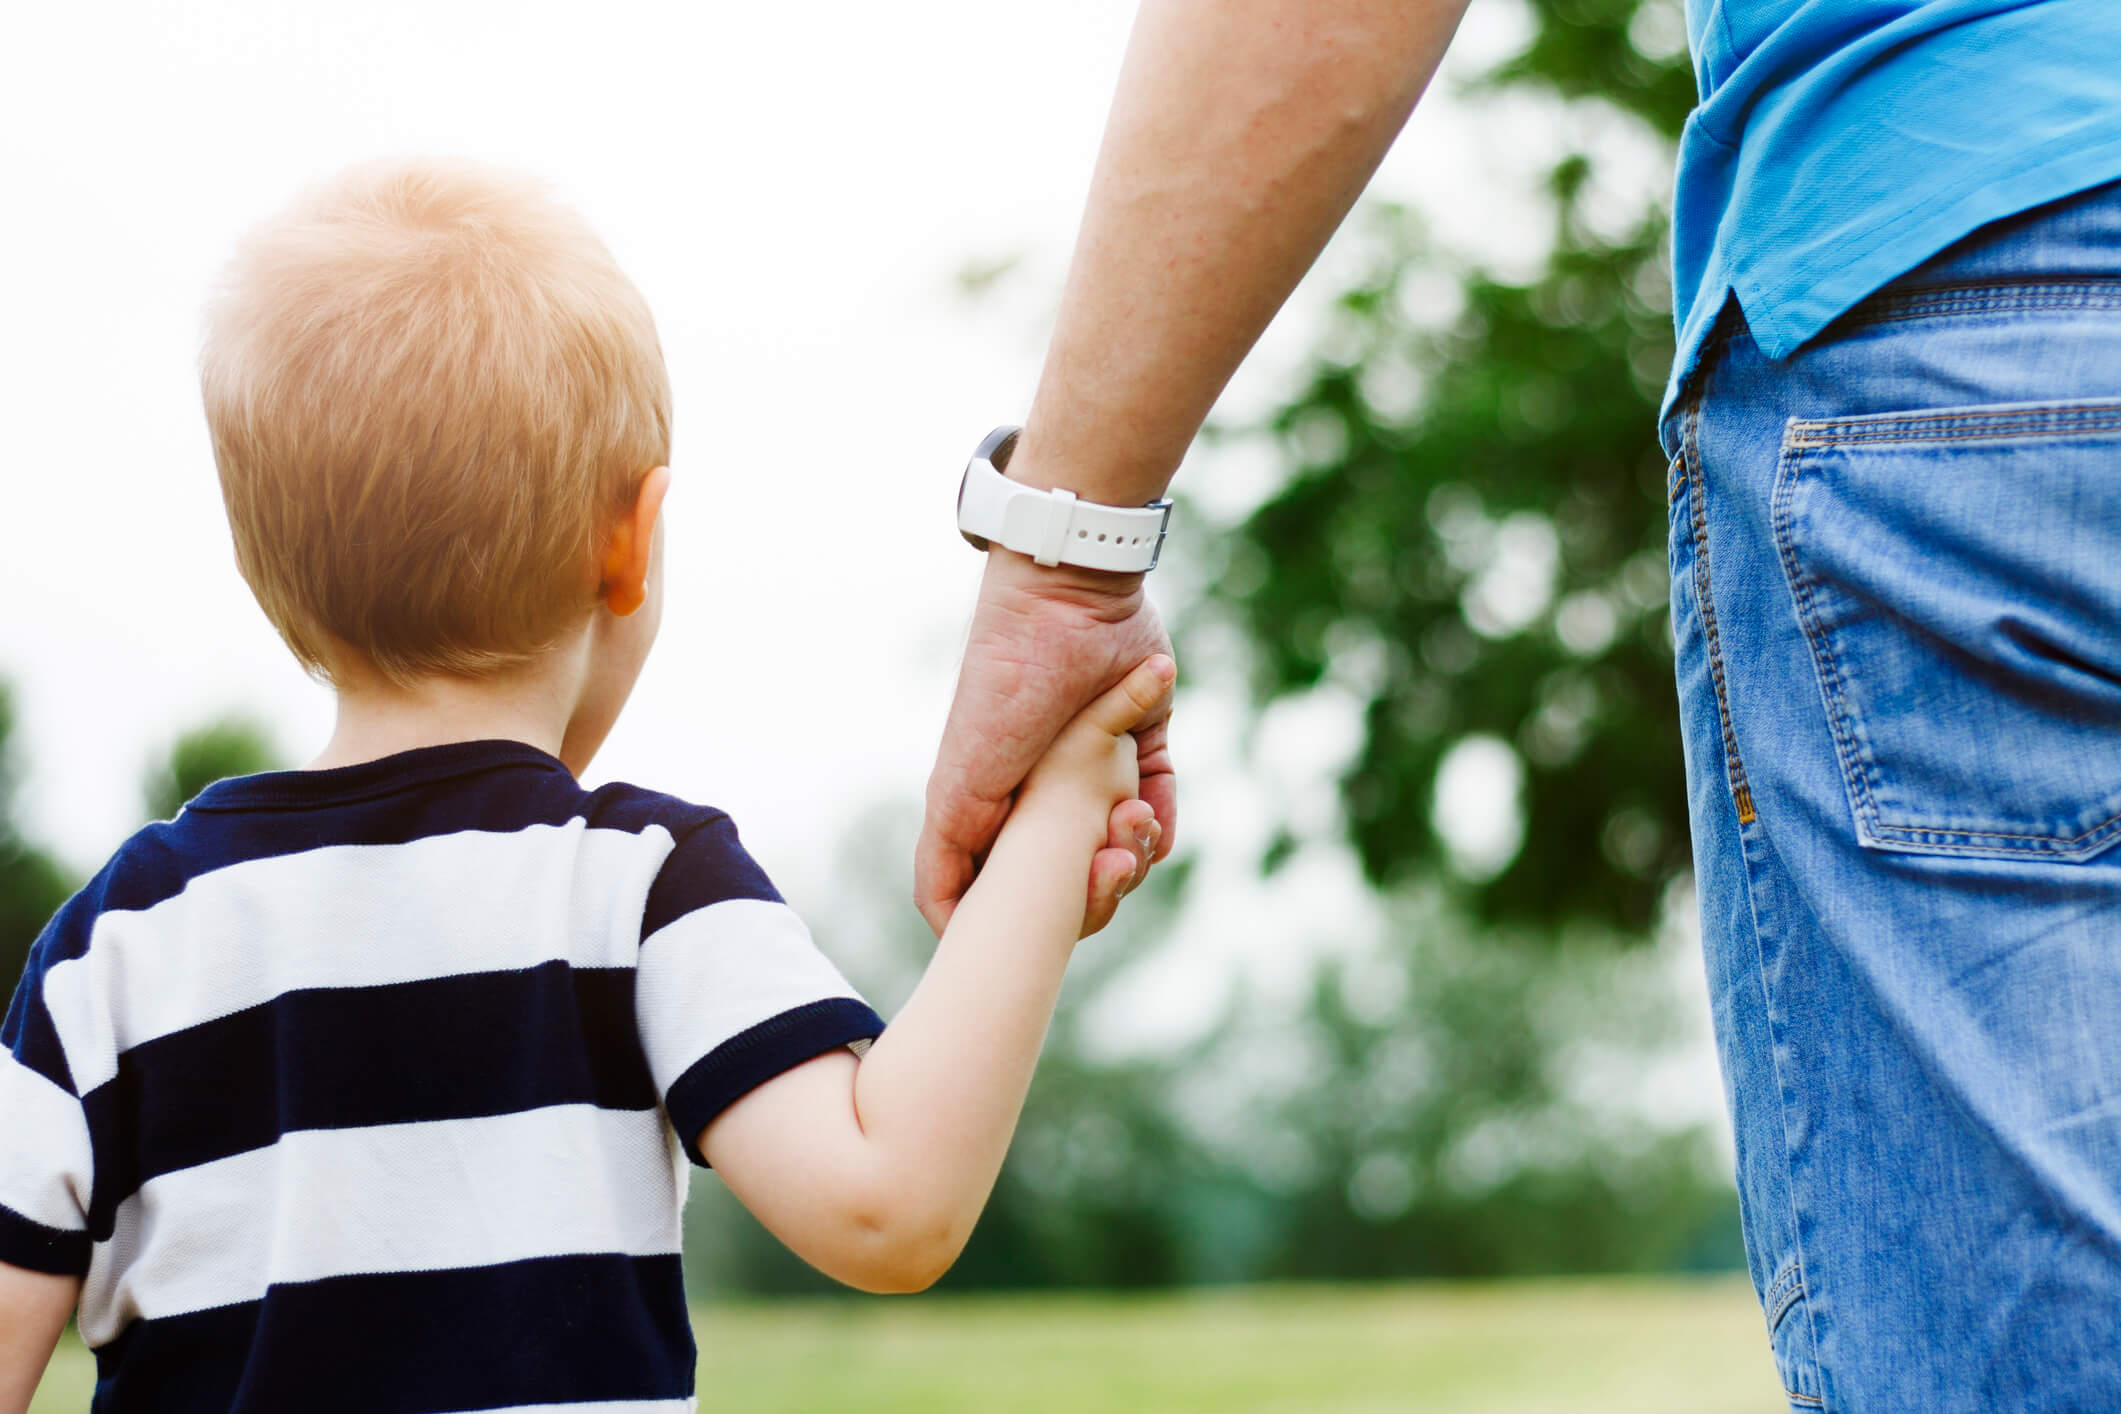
[[1395, 1090]]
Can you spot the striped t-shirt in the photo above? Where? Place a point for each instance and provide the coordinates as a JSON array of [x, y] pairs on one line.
[[371, 1089]]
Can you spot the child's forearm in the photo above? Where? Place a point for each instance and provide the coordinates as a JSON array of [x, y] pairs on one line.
[[940, 1092], [876, 1172]]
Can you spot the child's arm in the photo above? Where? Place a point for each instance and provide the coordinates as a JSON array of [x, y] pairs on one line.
[[875, 1171], [33, 1310]]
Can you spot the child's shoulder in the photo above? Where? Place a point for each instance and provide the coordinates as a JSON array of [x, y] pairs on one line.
[[621, 805], [706, 861]]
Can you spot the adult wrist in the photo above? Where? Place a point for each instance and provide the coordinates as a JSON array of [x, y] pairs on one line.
[[1106, 595], [1042, 463]]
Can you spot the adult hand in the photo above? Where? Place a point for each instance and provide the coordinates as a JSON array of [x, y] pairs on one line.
[[1044, 644]]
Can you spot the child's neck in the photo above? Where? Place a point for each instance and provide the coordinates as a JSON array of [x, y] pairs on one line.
[[532, 703]]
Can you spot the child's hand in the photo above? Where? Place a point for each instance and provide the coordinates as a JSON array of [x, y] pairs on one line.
[[1089, 775]]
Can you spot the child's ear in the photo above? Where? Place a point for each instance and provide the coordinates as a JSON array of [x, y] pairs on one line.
[[624, 583]]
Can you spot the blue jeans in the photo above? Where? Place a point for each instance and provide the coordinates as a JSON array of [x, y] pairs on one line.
[[1896, 602]]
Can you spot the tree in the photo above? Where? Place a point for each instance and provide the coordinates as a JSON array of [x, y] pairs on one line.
[[32, 881], [1473, 532], [1470, 540], [235, 745]]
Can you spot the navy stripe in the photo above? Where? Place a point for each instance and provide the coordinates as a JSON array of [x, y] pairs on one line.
[[410, 796], [752, 1057], [708, 866], [556, 1330], [459, 1047], [28, 1031], [30, 1245]]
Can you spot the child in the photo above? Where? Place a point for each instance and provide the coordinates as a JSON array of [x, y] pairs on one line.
[[369, 1086]]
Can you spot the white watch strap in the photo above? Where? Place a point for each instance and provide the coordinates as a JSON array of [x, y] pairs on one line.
[[1057, 527]]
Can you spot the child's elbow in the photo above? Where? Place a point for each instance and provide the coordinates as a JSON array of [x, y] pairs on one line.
[[903, 1277], [897, 1253]]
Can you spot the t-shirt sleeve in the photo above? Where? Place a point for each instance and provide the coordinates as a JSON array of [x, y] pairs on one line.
[[46, 1163], [731, 991]]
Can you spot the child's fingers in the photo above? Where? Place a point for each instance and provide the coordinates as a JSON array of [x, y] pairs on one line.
[[1119, 868], [1134, 697], [1111, 877]]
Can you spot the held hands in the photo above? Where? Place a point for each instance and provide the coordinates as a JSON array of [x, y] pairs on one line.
[[1044, 643], [1088, 778]]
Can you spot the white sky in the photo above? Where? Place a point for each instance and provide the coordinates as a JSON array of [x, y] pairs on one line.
[[794, 189]]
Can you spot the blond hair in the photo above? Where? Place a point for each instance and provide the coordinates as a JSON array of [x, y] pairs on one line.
[[430, 389]]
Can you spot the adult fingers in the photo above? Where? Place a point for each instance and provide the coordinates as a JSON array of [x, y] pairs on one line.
[[943, 866], [999, 725], [1158, 778]]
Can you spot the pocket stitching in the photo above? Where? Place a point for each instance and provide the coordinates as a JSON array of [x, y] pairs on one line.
[[1856, 766]]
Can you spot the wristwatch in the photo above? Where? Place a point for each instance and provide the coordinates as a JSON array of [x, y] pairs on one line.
[[1053, 527]]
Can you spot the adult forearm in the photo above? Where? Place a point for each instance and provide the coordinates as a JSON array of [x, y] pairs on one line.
[[1241, 133]]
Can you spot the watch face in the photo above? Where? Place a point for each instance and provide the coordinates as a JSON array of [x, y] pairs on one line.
[[995, 447]]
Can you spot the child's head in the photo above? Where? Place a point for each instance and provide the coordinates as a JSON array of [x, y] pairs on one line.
[[432, 396]]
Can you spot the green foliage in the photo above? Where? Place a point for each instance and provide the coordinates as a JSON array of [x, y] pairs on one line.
[[235, 745], [1440, 1104], [1447, 476], [1454, 1113], [1591, 49], [1470, 542], [32, 882]]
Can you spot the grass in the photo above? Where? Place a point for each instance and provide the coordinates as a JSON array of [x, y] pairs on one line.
[[1594, 1346]]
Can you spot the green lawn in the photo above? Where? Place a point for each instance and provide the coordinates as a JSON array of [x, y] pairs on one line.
[[1552, 1347]]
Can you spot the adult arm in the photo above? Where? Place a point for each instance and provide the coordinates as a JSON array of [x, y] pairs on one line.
[[33, 1310], [1241, 133]]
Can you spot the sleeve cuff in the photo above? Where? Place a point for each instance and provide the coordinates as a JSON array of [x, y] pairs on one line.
[[750, 1058], [34, 1247]]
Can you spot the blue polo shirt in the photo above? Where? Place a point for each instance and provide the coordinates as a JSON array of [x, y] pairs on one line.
[[1840, 143]]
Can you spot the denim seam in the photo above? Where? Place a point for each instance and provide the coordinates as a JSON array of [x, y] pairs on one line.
[[1734, 767], [1983, 297], [1783, 1293], [1705, 606]]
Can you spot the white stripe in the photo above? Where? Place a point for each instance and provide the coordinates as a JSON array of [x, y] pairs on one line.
[[721, 970], [46, 1165], [563, 1181], [351, 916]]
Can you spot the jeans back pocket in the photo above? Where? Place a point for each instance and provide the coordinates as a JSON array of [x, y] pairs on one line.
[[1957, 573]]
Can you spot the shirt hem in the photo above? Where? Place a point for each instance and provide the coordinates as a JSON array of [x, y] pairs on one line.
[[1783, 313]]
